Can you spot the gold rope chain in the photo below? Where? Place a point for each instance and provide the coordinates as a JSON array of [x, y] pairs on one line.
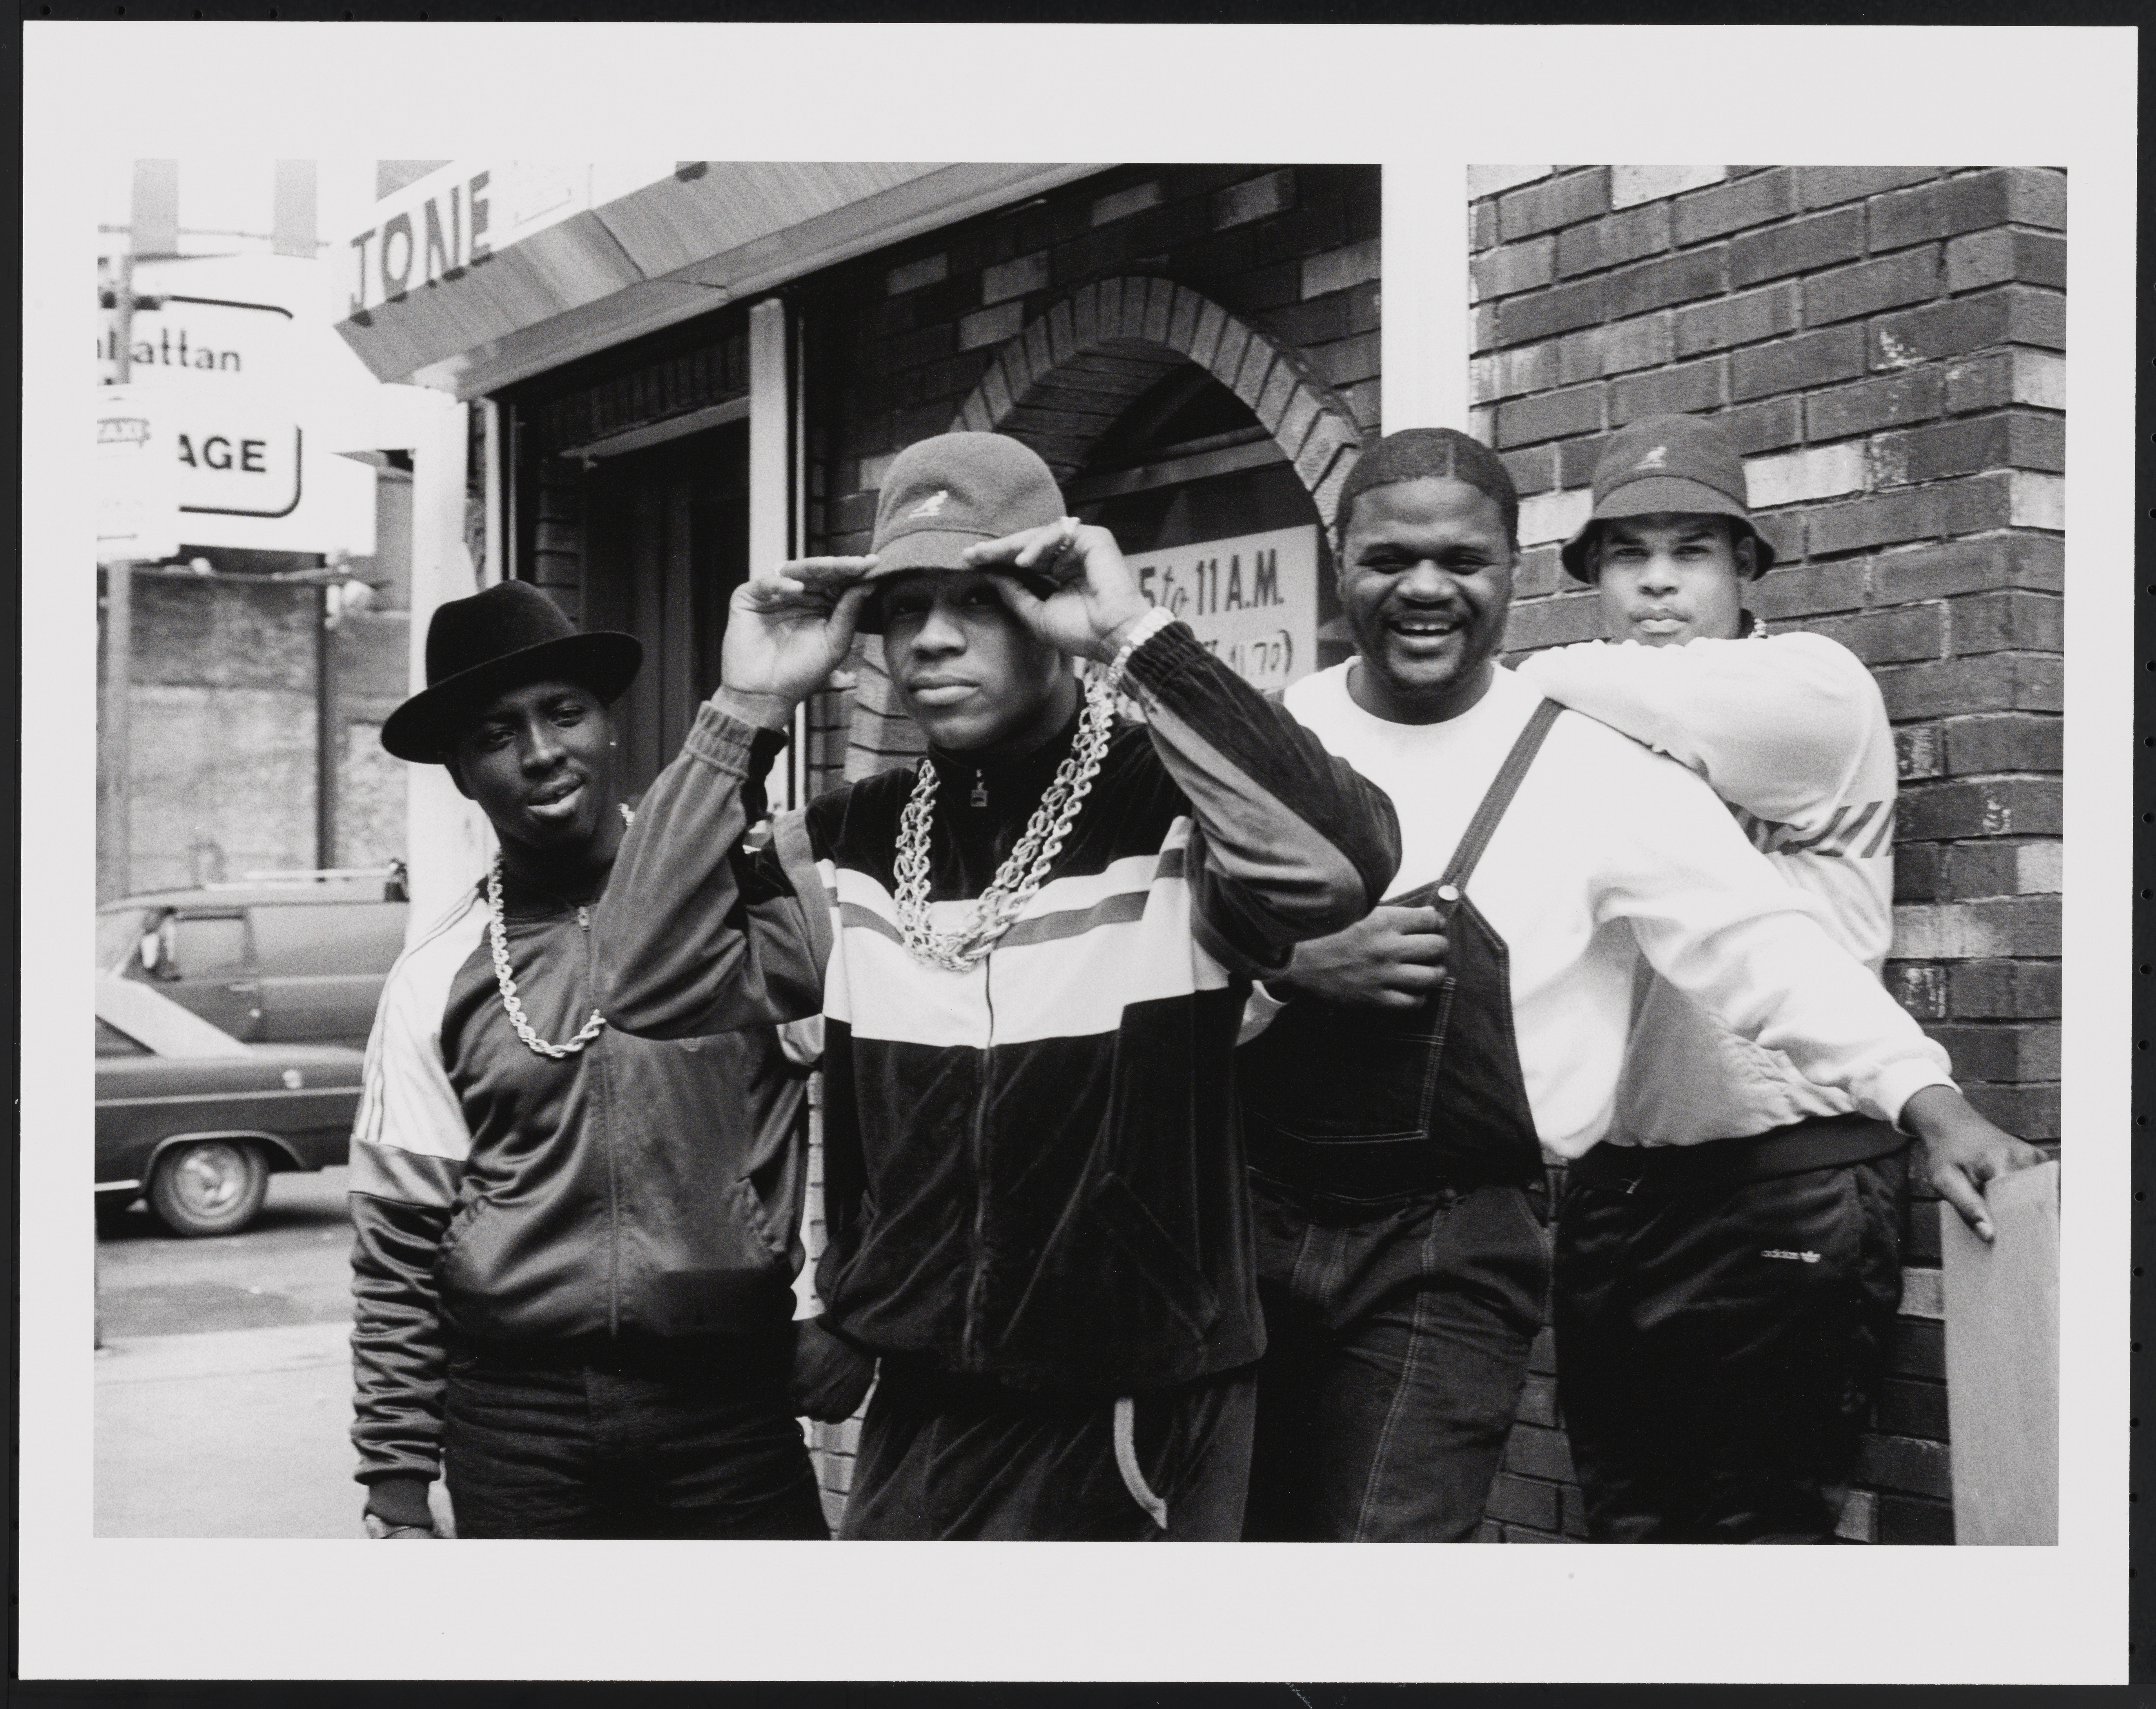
[[497, 937], [1023, 873]]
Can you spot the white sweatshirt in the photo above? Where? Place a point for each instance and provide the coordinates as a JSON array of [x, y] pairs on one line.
[[1610, 853], [1790, 731]]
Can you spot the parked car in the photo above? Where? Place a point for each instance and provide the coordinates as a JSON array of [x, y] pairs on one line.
[[195, 1122], [293, 959]]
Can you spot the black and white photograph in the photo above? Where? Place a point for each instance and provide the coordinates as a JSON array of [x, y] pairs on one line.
[[1305, 839]]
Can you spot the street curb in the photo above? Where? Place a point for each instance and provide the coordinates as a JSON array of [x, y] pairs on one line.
[[222, 1352]]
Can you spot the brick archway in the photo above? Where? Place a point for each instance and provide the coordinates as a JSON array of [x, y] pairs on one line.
[[1060, 380]]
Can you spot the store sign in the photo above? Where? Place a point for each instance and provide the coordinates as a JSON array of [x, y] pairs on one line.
[[194, 338], [236, 457], [1251, 599], [137, 488], [247, 372], [224, 370], [430, 232]]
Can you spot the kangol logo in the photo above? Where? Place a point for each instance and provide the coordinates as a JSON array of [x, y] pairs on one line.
[[1798, 1257], [1656, 459], [932, 506]]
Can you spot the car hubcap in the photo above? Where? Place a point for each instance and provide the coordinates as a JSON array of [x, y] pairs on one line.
[[211, 1179]]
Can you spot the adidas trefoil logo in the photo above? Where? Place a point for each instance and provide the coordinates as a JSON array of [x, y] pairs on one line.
[[932, 506], [1798, 1257], [1656, 459]]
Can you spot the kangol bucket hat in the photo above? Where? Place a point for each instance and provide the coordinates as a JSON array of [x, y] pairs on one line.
[[1668, 465], [940, 495]]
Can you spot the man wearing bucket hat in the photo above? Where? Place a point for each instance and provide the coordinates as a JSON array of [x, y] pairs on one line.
[[574, 1249], [1415, 1069], [1728, 1265], [1030, 952]]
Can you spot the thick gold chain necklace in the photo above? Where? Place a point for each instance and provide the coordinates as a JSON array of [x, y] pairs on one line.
[[1023, 872], [497, 937]]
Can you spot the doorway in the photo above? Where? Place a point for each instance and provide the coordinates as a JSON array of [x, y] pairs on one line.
[[1217, 525], [666, 544]]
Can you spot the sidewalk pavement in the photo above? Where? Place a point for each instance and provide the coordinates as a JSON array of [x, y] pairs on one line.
[[228, 1432]]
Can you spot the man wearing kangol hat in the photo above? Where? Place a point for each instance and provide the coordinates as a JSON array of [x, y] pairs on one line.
[[1031, 953], [1728, 1264], [1415, 1069], [574, 1250]]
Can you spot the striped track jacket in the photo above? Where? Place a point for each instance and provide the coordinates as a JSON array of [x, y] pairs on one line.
[[636, 1188], [1034, 1168]]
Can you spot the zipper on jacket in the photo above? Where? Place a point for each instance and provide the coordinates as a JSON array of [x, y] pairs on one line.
[[976, 1286], [602, 1118]]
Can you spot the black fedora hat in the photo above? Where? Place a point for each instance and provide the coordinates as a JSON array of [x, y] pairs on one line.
[[500, 638]]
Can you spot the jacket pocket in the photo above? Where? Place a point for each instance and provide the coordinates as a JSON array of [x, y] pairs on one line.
[[1170, 1274], [452, 1240], [748, 1205]]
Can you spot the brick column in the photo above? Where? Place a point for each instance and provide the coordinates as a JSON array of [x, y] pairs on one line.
[[1885, 342]]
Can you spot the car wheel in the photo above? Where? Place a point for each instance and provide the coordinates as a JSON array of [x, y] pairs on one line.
[[209, 1187]]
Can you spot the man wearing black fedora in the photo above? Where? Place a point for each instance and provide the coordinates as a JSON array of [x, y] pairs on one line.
[[1031, 952], [575, 1249]]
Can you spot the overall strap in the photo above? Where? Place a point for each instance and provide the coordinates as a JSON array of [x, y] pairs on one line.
[[1502, 786]]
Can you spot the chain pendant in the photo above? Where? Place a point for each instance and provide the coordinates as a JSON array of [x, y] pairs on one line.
[[980, 790]]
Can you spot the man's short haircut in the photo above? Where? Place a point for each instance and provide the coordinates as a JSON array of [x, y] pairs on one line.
[[1440, 453]]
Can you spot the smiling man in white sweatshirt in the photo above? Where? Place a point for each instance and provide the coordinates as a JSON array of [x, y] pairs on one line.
[[1416, 1067]]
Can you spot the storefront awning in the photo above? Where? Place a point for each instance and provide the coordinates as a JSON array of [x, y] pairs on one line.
[[487, 271]]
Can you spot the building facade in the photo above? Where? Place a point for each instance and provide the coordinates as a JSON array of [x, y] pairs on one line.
[[265, 641], [657, 375]]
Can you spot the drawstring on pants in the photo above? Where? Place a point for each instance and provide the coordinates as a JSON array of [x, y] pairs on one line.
[[1126, 1462]]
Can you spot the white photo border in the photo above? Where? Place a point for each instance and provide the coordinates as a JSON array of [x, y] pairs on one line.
[[1426, 102]]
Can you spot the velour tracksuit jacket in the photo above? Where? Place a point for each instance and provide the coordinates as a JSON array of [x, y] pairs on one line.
[[1034, 1169]]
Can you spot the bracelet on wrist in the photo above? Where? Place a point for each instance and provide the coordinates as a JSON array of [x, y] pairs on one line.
[[1143, 631]]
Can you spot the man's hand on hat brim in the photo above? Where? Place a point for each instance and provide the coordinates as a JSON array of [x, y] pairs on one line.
[[1095, 601], [791, 627]]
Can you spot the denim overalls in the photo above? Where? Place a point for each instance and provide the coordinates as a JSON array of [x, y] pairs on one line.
[[1402, 1260]]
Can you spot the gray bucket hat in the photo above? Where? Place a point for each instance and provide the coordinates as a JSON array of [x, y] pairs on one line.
[[1668, 465], [940, 495]]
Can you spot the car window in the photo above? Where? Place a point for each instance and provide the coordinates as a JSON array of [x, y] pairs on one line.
[[293, 938], [209, 946], [155, 1020], [118, 936], [112, 1042]]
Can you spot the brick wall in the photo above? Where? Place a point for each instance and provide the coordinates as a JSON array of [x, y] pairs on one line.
[[1888, 344], [897, 340]]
